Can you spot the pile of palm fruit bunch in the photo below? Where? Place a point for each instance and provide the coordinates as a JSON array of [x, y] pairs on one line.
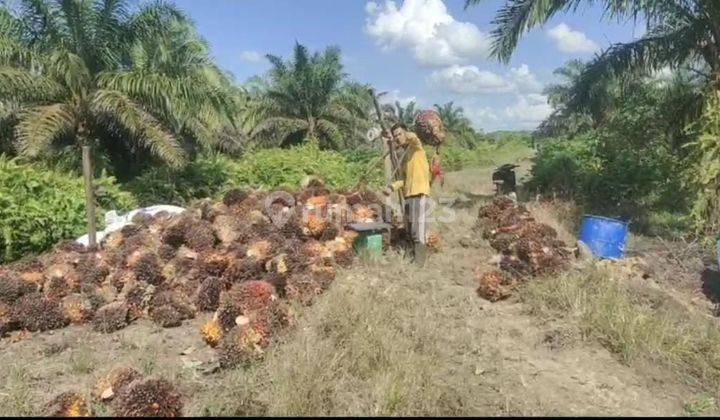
[[229, 257], [527, 248], [126, 392]]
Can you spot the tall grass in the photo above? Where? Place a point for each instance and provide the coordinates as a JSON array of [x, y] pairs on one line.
[[634, 323], [370, 346]]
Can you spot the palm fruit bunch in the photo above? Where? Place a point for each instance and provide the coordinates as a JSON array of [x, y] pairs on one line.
[[211, 332], [494, 286], [434, 242], [430, 128], [244, 343], [148, 398], [112, 384], [68, 404]]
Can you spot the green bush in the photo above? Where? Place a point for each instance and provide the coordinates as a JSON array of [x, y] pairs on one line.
[[204, 177], [484, 153], [210, 176], [287, 167], [608, 174], [40, 206]]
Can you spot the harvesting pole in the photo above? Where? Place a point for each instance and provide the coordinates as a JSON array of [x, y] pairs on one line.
[[89, 195], [392, 164]]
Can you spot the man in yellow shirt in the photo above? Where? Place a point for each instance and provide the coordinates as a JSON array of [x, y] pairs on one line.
[[415, 187]]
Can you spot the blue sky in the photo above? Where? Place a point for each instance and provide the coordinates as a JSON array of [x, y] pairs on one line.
[[431, 51]]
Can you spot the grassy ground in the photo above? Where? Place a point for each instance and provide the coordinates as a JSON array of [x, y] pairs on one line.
[[391, 339]]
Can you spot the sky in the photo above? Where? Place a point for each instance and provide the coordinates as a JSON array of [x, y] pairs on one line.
[[429, 51]]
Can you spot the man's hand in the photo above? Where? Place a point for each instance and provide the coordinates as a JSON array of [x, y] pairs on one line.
[[387, 191]]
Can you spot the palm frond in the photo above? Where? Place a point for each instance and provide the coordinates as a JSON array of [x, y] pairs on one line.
[[517, 17], [21, 84], [330, 132], [276, 129], [650, 53], [42, 22], [146, 130], [70, 68], [40, 126]]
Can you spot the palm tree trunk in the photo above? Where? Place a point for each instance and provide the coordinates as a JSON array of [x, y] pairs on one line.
[[89, 189], [311, 132]]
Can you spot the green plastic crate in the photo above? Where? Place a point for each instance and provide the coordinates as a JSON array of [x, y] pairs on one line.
[[369, 244]]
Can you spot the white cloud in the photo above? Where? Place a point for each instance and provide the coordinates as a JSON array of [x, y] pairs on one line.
[[251, 56], [529, 110], [472, 80], [571, 41], [394, 96], [484, 118], [425, 28], [524, 80], [469, 79]]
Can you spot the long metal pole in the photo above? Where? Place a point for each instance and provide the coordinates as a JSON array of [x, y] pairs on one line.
[[89, 196]]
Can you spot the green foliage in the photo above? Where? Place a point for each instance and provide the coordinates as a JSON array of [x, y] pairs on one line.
[[485, 153], [287, 167], [705, 174], [206, 176], [631, 164], [606, 173], [209, 176], [40, 206]]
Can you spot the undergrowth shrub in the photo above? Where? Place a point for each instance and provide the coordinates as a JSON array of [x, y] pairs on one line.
[[608, 175], [484, 153], [705, 174], [209, 176], [40, 206]]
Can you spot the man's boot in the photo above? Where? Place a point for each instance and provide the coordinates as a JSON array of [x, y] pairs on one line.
[[419, 254]]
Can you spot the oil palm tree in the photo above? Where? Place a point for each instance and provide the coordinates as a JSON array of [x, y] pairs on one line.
[[91, 72], [679, 33], [305, 99], [406, 114], [453, 117]]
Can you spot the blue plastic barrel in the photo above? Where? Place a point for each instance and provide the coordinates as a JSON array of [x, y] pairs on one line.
[[604, 236]]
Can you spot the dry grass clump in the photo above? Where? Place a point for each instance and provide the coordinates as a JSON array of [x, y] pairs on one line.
[[364, 349]]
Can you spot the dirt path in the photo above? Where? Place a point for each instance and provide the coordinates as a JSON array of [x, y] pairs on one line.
[[386, 339], [535, 368]]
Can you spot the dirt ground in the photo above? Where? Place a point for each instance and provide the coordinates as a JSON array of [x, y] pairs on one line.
[[386, 339]]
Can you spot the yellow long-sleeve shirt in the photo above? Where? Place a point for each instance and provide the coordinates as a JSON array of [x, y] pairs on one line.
[[417, 169]]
